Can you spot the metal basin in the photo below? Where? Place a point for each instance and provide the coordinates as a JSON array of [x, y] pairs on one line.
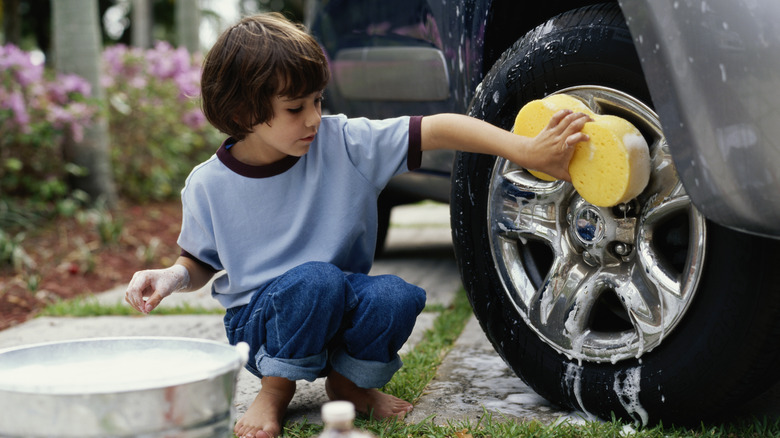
[[120, 387]]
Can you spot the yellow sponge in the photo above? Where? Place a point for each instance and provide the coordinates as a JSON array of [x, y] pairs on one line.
[[611, 168]]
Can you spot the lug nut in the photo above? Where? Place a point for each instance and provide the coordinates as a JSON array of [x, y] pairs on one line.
[[626, 209], [623, 249], [588, 258]]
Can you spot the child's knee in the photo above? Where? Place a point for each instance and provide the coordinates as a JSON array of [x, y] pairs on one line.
[[408, 296], [398, 297], [417, 296]]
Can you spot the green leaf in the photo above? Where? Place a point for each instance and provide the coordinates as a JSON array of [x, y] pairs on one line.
[[14, 164]]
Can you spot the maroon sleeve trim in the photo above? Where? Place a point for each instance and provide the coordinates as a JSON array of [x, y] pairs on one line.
[[414, 158], [203, 264]]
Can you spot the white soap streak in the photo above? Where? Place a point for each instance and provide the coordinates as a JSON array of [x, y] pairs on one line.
[[627, 390], [573, 379]]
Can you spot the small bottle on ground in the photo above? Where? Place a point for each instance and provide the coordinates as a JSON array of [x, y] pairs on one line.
[[338, 418]]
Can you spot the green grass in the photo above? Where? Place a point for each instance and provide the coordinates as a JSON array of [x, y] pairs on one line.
[[84, 307], [420, 367], [492, 426], [421, 363]]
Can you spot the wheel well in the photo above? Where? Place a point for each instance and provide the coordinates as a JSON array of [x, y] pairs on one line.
[[511, 19]]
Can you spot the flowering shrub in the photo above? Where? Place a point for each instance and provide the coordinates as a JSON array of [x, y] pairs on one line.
[[37, 108], [158, 131], [157, 128]]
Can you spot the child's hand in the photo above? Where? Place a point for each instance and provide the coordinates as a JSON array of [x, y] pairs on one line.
[[155, 284], [554, 146]]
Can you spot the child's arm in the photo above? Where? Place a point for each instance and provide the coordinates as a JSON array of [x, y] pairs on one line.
[[156, 284], [548, 152]]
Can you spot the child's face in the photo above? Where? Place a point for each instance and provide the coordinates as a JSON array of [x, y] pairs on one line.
[[292, 128]]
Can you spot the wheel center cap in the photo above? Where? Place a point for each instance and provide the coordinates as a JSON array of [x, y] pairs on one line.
[[589, 226]]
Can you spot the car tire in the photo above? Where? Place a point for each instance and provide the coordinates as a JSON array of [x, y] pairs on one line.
[[384, 208], [675, 320]]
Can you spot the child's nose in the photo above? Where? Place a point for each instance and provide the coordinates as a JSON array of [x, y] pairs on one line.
[[313, 117]]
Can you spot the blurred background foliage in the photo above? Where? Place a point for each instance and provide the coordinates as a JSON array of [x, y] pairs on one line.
[[149, 57], [27, 23], [150, 76], [155, 119]]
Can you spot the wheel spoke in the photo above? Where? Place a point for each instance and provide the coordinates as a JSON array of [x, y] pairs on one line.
[[644, 306], [525, 207], [561, 306], [664, 182], [658, 271], [555, 299]]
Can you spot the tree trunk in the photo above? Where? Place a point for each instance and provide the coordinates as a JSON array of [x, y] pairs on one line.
[[77, 50], [188, 24], [141, 24], [12, 22]]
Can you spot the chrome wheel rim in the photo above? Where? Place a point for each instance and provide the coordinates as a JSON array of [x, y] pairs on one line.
[[598, 284]]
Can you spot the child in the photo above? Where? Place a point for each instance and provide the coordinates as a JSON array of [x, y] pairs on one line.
[[287, 209]]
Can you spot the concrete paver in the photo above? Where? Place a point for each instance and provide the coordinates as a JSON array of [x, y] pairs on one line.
[[472, 380]]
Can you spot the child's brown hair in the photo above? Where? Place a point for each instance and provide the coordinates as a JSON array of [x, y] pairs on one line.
[[257, 59]]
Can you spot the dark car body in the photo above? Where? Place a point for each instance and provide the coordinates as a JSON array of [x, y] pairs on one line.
[[712, 69]]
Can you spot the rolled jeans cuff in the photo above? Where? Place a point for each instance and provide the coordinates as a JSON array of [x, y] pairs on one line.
[[307, 368], [364, 373]]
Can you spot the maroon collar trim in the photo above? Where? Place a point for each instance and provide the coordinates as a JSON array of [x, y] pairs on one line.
[[249, 171]]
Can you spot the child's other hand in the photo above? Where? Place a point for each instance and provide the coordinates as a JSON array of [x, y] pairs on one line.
[[554, 146], [155, 284]]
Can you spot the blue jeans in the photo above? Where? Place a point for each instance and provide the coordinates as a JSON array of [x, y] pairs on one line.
[[315, 318]]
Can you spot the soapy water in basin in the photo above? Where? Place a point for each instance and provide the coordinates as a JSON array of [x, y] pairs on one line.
[[117, 371]]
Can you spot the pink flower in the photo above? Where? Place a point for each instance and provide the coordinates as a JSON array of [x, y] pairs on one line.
[[188, 83], [61, 89], [194, 119], [137, 82], [20, 63], [147, 78], [59, 117], [77, 131], [33, 99], [15, 102]]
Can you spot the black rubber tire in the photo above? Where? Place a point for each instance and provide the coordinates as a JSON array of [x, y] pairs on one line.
[[384, 207], [725, 349]]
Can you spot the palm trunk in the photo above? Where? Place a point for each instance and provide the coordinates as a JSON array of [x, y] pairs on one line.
[[77, 49]]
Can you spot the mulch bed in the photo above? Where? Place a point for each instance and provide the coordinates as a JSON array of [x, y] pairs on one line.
[[70, 259]]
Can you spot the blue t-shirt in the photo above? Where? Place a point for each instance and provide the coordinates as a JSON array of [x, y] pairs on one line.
[[258, 222]]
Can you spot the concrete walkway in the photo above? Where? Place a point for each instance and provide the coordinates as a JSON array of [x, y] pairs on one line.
[[472, 378]]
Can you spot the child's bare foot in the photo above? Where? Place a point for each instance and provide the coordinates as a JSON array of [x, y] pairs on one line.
[[263, 418], [366, 400]]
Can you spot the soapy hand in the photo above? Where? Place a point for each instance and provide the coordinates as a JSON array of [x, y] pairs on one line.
[[154, 285]]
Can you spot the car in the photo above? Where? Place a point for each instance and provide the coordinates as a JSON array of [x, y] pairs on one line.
[[671, 311]]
